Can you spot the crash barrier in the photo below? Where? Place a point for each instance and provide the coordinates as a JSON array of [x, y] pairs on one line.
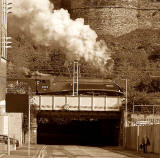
[[133, 137], [4, 140]]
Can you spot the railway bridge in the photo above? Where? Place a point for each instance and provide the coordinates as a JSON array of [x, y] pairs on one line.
[[91, 117]]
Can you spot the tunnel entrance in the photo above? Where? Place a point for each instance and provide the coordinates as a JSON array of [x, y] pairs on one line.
[[78, 131]]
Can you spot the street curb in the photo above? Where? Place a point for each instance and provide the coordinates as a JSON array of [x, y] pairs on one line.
[[124, 152], [128, 154]]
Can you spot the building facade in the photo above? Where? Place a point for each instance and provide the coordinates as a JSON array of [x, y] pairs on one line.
[[3, 55]]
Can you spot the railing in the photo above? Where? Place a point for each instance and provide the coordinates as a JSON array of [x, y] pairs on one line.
[[4, 139]]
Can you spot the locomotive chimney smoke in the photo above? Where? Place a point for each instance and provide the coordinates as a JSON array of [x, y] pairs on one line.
[[55, 27]]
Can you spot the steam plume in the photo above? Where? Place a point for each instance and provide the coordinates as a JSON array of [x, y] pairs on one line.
[[55, 27]]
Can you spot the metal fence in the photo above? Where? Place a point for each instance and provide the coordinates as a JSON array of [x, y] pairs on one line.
[[135, 134]]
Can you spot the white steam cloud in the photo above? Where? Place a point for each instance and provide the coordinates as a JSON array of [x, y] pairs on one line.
[[55, 27]]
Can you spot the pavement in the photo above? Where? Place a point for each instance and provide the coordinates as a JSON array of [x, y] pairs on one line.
[[132, 153], [22, 152]]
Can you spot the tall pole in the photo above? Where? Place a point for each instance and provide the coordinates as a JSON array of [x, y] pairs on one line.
[[4, 50], [8, 148], [77, 77], [126, 106], [29, 131], [126, 113], [73, 77]]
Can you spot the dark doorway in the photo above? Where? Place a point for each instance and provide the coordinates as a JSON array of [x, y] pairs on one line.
[[78, 132]]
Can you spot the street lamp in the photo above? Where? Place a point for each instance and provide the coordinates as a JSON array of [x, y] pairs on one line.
[[126, 103], [5, 10], [126, 111]]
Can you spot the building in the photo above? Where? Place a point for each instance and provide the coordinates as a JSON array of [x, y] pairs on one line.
[[3, 55], [7, 121]]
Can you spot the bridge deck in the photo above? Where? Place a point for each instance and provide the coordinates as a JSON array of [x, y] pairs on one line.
[[81, 114], [77, 103]]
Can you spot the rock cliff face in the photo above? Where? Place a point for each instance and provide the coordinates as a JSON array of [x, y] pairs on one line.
[[115, 17], [149, 14]]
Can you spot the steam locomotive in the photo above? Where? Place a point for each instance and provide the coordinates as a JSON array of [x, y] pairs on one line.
[[59, 86]]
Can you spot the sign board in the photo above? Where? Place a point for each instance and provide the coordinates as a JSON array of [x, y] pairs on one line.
[[17, 103]]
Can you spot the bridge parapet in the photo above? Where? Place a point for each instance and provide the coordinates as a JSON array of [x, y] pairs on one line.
[[76, 103]]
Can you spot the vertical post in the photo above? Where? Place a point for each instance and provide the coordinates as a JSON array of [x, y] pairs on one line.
[[153, 128], [3, 28], [126, 113], [73, 77], [8, 148], [77, 76], [133, 107], [92, 108], [53, 107], [126, 108], [5, 52], [6, 6], [79, 108], [153, 115], [39, 102], [29, 131], [105, 103], [138, 138]]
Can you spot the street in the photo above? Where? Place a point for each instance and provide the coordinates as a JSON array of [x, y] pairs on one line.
[[71, 151]]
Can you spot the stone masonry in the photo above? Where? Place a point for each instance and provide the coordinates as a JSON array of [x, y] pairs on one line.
[[115, 17]]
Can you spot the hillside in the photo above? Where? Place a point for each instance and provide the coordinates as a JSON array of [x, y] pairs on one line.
[[135, 54]]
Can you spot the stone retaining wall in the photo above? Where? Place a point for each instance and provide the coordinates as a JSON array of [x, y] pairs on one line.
[[116, 17]]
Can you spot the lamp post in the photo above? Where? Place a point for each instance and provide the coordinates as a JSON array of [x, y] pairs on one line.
[[29, 129], [126, 104], [5, 10]]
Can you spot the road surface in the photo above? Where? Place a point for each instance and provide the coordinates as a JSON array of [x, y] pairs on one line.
[[71, 151]]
